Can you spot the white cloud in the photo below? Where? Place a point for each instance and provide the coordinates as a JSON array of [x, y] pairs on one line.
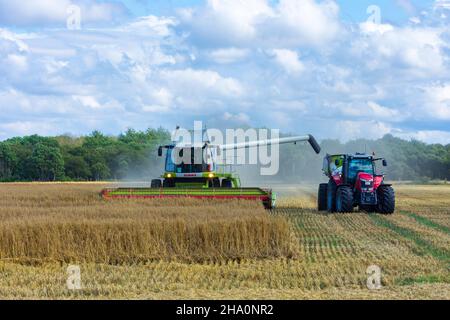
[[307, 22], [201, 82], [129, 71], [415, 20], [227, 21], [442, 4], [258, 22], [240, 118], [17, 62], [228, 55], [156, 108], [160, 26], [88, 101], [370, 110], [369, 27], [436, 101], [382, 112], [419, 50], [10, 38], [289, 60], [348, 130], [50, 12], [428, 136], [407, 5], [23, 128], [287, 64]]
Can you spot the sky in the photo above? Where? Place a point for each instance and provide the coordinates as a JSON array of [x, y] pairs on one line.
[[333, 68]]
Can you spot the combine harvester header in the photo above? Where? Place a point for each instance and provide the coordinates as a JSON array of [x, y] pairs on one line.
[[204, 180]]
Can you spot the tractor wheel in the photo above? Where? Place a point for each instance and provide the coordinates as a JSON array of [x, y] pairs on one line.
[[344, 199], [156, 183], [168, 183], [386, 200], [331, 196], [214, 183], [322, 197], [227, 183]]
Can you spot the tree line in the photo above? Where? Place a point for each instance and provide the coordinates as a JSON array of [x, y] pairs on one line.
[[133, 155], [407, 160], [90, 158]]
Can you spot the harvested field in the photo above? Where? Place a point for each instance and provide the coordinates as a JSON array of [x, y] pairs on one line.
[[305, 255]]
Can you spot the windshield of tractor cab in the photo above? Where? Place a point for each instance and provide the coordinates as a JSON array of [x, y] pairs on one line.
[[175, 163], [359, 165]]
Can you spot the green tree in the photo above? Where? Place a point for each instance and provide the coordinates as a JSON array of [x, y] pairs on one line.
[[100, 171], [77, 168], [46, 163], [7, 162]]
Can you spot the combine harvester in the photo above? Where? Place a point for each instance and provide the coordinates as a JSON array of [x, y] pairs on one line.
[[204, 180]]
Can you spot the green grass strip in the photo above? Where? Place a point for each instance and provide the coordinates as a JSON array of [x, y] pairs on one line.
[[427, 222], [427, 279], [423, 246]]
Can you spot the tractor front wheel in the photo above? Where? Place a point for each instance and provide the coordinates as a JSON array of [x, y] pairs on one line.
[[344, 199], [322, 197], [386, 200]]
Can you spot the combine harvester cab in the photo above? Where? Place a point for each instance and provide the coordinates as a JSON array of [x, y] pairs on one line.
[[204, 179], [353, 182]]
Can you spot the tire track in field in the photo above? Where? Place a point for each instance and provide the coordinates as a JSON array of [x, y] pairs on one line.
[[422, 246], [344, 245], [326, 257], [427, 222], [336, 249]]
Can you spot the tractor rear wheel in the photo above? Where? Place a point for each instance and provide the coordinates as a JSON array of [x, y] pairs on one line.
[[227, 183], [156, 183], [386, 200], [344, 199], [322, 197], [331, 196]]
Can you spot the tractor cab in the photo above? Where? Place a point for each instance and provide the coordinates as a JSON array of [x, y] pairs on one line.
[[346, 168], [188, 159], [360, 166], [192, 166]]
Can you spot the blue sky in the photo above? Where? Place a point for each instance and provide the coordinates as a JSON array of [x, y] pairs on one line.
[[324, 67], [394, 11], [351, 10]]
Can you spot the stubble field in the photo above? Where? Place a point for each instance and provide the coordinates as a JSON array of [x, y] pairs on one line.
[[192, 249]]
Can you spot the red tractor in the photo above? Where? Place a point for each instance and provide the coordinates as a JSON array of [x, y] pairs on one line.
[[354, 183]]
